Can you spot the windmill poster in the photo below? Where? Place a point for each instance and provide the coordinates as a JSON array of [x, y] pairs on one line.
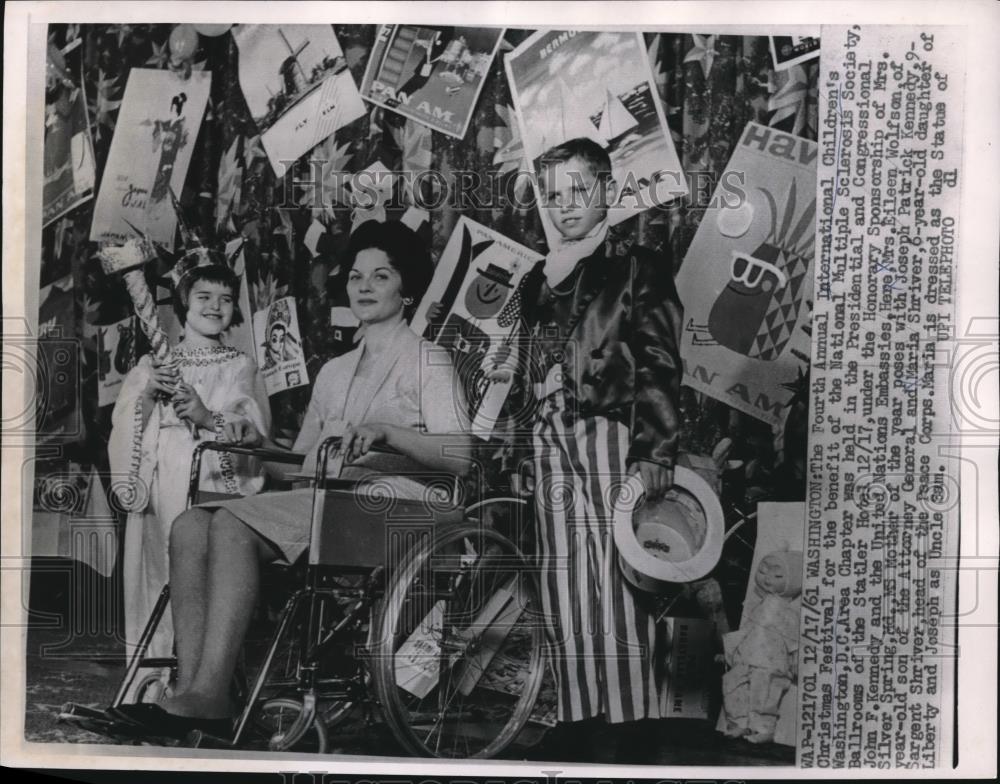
[[297, 86], [747, 280], [431, 74], [599, 86], [470, 309], [154, 139]]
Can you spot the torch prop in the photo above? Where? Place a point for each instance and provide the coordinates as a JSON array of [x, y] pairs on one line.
[[128, 260]]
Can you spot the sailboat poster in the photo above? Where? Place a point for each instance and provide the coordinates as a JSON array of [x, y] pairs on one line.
[[297, 87], [597, 85]]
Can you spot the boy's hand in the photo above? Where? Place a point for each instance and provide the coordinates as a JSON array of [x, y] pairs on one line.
[[189, 405], [522, 481], [655, 478]]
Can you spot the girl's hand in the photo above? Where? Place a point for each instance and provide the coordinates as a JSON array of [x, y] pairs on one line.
[[163, 381], [188, 405], [359, 440]]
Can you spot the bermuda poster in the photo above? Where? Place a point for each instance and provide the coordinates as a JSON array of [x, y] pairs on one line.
[[568, 84]]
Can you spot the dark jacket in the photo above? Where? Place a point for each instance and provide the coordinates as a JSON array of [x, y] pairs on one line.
[[620, 357]]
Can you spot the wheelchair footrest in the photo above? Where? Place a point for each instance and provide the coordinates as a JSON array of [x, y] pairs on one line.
[[100, 722]]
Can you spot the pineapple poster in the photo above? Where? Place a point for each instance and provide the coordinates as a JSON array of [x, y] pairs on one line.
[[431, 74], [569, 84], [297, 86], [472, 309], [154, 139], [747, 280]]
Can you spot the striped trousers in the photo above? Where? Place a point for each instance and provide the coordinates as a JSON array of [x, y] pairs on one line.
[[601, 642]]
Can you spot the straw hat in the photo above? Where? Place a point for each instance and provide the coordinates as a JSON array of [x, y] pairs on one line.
[[675, 539]]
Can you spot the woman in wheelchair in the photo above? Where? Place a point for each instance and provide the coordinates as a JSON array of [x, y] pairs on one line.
[[392, 390]]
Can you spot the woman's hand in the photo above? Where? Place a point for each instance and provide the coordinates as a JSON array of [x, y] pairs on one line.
[[656, 478], [241, 432], [359, 440], [164, 380], [189, 405]]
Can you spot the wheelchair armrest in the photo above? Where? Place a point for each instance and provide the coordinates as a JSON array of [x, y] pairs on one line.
[[267, 455], [332, 444], [270, 455]]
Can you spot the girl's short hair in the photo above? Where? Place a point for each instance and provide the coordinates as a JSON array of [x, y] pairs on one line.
[[212, 273], [406, 252]]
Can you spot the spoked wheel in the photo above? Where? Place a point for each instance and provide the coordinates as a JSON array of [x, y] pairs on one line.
[[278, 721], [458, 660]]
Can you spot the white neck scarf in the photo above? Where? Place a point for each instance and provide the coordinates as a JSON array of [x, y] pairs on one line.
[[565, 254]]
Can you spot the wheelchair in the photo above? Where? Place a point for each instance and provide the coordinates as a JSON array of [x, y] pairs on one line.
[[421, 611]]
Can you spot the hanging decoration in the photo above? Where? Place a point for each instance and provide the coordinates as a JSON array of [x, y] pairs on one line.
[[183, 45]]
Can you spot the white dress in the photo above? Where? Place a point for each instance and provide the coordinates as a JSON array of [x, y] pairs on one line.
[[151, 467]]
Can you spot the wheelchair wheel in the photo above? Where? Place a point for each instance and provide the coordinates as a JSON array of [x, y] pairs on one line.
[[276, 719], [152, 687], [458, 661]]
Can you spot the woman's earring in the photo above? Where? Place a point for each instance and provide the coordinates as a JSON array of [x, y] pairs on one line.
[[407, 301]]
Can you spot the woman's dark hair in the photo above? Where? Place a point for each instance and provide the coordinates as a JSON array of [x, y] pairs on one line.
[[406, 252], [213, 273]]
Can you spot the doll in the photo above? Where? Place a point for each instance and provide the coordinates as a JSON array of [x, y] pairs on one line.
[[762, 655]]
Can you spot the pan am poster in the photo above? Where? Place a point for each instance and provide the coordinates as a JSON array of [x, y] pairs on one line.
[[747, 280], [431, 74], [597, 85]]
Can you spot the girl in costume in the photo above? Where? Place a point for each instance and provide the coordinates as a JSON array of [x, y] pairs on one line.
[[205, 390]]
